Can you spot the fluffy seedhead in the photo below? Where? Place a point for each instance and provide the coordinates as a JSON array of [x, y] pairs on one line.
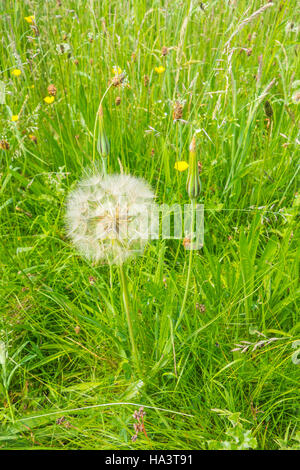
[[107, 217]]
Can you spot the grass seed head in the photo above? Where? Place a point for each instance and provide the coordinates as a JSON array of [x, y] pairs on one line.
[[4, 145], [52, 90]]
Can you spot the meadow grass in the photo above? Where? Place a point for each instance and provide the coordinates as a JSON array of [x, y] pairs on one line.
[[67, 380]]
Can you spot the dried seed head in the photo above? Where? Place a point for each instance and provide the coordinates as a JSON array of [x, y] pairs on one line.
[[118, 100], [118, 80], [77, 329], [186, 242], [4, 145], [76, 61], [177, 111], [164, 51], [200, 167], [201, 307], [52, 90], [146, 80]]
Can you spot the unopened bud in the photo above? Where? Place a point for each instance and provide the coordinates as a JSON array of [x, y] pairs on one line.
[[103, 146], [193, 184]]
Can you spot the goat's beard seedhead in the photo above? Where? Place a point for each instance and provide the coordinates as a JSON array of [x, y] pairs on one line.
[[107, 217]]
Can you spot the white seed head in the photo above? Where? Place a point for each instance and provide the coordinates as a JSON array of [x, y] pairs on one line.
[[107, 217]]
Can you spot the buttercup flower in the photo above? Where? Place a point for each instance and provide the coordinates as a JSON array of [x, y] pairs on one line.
[[159, 69], [107, 216], [181, 166], [29, 19], [16, 72], [49, 99], [15, 117], [116, 70]]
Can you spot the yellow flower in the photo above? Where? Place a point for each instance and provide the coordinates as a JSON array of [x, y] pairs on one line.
[[29, 19], [15, 117], [49, 99], [160, 69], [16, 72], [116, 70], [181, 166]]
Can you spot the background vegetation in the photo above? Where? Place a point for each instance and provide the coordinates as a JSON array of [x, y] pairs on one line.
[[66, 376]]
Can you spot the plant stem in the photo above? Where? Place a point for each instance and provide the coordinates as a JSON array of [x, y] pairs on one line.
[[187, 284], [125, 296], [96, 122]]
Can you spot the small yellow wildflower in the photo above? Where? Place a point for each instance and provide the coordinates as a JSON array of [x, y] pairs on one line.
[[116, 70], [15, 117], [16, 72], [159, 69], [29, 19], [49, 99], [181, 166]]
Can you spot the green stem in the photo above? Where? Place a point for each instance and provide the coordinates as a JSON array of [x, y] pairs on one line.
[[125, 296], [187, 284], [96, 121]]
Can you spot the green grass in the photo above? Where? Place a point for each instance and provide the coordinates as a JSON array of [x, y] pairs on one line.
[[62, 320]]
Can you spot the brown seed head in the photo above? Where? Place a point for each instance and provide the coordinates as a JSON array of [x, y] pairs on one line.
[[4, 145], [117, 80], [177, 111], [146, 80], [118, 100], [164, 51], [52, 90]]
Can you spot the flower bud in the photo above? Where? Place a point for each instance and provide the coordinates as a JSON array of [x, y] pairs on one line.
[[103, 146], [193, 184]]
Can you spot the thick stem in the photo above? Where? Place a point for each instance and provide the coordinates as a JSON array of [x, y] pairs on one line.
[[125, 296]]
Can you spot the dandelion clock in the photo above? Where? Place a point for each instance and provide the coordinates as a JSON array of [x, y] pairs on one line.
[[108, 219]]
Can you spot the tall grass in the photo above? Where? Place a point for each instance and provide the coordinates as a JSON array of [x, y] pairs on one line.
[[64, 338]]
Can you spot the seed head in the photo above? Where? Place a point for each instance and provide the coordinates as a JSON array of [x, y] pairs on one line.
[[107, 216], [177, 111], [52, 90], [4, 145], [164, 51]]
